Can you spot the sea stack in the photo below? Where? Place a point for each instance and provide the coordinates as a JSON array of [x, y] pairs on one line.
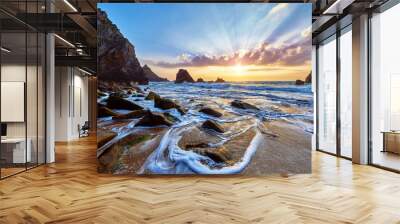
[[219, 80], [183, 76], [308, 79], [151, 76], [299, 82]]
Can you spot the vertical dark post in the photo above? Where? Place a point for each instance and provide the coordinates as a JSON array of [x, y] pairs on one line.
[[316, 97], [26, 86], [338, 74], [369, 77], [1, 165]]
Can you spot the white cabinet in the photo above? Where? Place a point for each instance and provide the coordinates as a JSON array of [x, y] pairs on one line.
[[19, 155]]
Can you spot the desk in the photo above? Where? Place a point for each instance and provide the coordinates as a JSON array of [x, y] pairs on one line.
[[13, 150], [391, 141]]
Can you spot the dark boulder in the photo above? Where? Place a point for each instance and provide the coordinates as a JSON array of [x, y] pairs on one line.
[[170, 117], [131, 115], [103, 111], [151, 119], [104, 136], [210, 111], [152, 95], [299, 82], [208, 124], [183, 76], [120, 94], [115, 102], [197, 145], [166, 104], [218, 155], [243, 105], [200, 80]]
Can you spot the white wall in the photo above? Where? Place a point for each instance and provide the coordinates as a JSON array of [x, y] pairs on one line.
[[71, 102]]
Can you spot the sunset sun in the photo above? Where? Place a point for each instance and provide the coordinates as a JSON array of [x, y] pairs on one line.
[[238, 69]]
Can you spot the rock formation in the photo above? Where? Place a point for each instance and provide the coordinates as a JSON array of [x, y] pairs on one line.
[[308, 78], [212, 125], [151, 76], [153, 119], [243, 105], [299, 82], [183, 76], [210, 111], [115, 102], [152, 95], [116, 55], [200, 80], [166, 104], [219, 80]]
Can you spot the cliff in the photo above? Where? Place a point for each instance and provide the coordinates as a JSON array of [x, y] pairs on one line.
[[116, 55]]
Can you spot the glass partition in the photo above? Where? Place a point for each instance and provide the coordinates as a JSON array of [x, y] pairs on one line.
[[346, 93], [327, 96], [22, 67], [13, 92], [385, 90]]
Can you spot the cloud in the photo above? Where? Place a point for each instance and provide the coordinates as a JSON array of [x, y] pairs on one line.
[[278, 8], [306, 32], [295, 54]]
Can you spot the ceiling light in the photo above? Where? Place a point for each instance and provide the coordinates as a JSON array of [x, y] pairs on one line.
[[70, 5], [86, 72], [65, 41], [338, 6], [5, 50]]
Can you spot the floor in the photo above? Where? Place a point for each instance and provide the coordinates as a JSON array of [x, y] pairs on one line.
[[387, 159], [71, 191]]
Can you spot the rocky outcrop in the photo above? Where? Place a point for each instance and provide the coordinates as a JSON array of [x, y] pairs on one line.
[[104, 136], [243, 105], [219, 80], [116, 55], [208, 124], [299, 82], [210, 111], [308, 78], [218, 155], [183, 76], [151, 119], [306, 81], [166, 104], [115, 102], [200, 80], [151, 76], [131, 115], [103, 111], [152, 95]]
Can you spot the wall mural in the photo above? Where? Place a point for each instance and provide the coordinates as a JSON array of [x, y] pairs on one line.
[[204, 88]]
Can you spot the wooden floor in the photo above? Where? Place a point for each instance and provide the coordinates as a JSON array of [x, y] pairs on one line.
[[71, 191]]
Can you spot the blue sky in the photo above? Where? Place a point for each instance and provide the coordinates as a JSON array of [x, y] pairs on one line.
[[174, 35]]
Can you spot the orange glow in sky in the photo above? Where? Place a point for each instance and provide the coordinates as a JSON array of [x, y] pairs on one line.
[[240, 72]]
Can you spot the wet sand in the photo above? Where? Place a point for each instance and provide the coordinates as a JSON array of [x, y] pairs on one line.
[[285, 149]]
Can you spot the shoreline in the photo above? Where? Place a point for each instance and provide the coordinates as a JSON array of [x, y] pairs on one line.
[[282, 153]]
